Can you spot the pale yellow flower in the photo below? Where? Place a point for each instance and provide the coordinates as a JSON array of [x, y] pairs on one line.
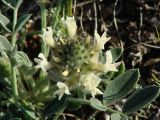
[[94, 61], [62, 89], [100, 41], [42, 62], [70, 25], [48, 37], [109, 65], [90, 82], [65, 73]]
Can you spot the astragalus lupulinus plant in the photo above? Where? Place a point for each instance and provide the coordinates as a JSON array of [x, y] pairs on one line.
[[76, 60], [71, 71], [83, 70]]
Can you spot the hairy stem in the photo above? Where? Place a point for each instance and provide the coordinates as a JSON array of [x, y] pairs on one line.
[[44, 47], [79, 100], [13, 67], [13, 29], [14, 82], [58, 9], [87, 102], [70, 4]]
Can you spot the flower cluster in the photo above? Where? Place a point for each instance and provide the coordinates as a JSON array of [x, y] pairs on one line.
[[76, 60]]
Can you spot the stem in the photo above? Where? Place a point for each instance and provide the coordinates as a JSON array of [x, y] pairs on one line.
[[87, 102], [55, 20], [95, 15], [13, 67], [111, 111], [13, 70], [70, 4], [13, 42], [44, 47], [13, 29], [79, 100], [15, 18], [14, 81]]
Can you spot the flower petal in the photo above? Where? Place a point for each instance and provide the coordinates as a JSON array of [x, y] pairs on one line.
[[107, 67], [100, 41], [42, 63], [48, 37], [94, 61], [90, 81], [63, 89], [95, 91], [109, 58], [65, 73], [70, 25]]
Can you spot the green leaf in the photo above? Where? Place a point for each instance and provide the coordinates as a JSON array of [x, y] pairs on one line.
[[115, 116], [41, 86], [116, 53], [18, 4], [72, 106], [55, 107], [95, 103], [14, 4], [120, 86], [140, 99], [22, 58], [4, 71], [4, 21], [9, 3], [27, 69], [5, 45], [121, 70], [28, 113], [21, 22]]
